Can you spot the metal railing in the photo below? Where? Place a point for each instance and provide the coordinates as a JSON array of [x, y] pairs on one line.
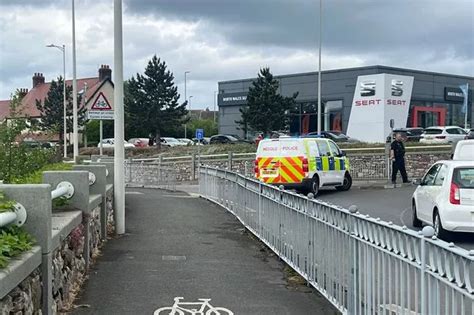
[[150, 174], [360, 264]]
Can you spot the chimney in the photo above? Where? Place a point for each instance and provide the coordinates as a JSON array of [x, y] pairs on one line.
[[38, 79], [22, 92], [105, 73]]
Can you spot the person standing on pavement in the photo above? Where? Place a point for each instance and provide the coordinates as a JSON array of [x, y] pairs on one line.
[[397, 156]]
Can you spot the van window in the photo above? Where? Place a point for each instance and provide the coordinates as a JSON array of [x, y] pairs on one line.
[[313, 148], [334, 149], [323, 148]]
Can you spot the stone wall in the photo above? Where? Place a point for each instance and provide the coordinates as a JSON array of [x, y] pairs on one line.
[[110, 215], [25, 298], [68, 270], [370, 166], [94, 230]]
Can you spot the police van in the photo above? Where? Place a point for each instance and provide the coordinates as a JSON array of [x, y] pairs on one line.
[[306, 164]]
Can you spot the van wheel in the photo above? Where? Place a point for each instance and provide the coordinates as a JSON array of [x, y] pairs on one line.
[[347, 184], [440, 232], [415, 221], [314, 186]]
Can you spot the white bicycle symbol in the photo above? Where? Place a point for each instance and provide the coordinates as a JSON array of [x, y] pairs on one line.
[[178, 309]]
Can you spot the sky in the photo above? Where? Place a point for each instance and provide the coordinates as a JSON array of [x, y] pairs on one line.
[[219, 40]]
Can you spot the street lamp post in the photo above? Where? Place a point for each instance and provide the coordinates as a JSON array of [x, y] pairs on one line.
[[74, 88], [63, 49], [119, 150], [190, 104], [319, 71], [185, 99]]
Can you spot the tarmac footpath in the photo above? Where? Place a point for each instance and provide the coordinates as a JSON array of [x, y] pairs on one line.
[[179, 245]]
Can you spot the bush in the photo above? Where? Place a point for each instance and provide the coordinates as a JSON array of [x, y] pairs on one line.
[[13, 240], [36, 177]]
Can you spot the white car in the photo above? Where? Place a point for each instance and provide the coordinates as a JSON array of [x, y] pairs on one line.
[[186, 141], [171, 142], [109, 143], [445, 198], [443, 135]]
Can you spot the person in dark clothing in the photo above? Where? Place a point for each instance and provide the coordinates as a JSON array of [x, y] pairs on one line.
[[397, 156]]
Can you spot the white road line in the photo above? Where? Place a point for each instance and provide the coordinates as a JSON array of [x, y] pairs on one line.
[[133, 193], [401, 215]]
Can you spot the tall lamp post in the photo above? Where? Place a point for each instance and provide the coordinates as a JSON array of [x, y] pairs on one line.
[[319, 71], [63, 49], [74, 88], [185, 99], [119, 154]]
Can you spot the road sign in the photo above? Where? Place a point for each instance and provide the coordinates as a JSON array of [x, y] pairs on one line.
[[101, 103], [100, 115], [199, 134], [101, 109]]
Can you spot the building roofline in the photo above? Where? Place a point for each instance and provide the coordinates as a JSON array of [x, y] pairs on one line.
[[374, 67]]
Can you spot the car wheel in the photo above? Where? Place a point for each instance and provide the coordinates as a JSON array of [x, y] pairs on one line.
[[415, 221], [440, 232], [347, 184], [314, 186]]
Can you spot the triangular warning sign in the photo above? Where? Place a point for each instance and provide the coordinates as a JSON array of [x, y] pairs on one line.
[[101, 103]]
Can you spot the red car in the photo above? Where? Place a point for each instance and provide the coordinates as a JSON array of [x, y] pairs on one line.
[[139, 142]]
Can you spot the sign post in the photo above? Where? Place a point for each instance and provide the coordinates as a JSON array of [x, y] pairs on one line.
[[199, 137], [100, 110]]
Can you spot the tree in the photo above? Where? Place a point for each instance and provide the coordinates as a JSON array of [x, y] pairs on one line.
[[151, 102], [266, 109], [16, 159], [208, 125], [52, 109]]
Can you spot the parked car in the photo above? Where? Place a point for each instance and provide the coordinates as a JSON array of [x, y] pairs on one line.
[[335, 136], [223, 139], [171, 142], [240, 138], [443, 135], [186, 141], [409, 134], [109, 143], [445, 198], [204, 141], [139, 142]]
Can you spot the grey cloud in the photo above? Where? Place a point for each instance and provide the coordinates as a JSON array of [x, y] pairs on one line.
[[355, 27]]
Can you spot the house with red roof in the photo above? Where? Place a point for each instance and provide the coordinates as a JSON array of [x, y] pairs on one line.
[[89, 88]]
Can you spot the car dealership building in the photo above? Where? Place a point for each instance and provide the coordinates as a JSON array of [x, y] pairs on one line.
[[355, 98]]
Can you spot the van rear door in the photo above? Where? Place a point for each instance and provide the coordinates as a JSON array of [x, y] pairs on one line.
[[280, 161]]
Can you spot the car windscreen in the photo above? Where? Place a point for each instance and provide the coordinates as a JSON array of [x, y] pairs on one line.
[[232, 138], [432, 131], [464, 177]]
